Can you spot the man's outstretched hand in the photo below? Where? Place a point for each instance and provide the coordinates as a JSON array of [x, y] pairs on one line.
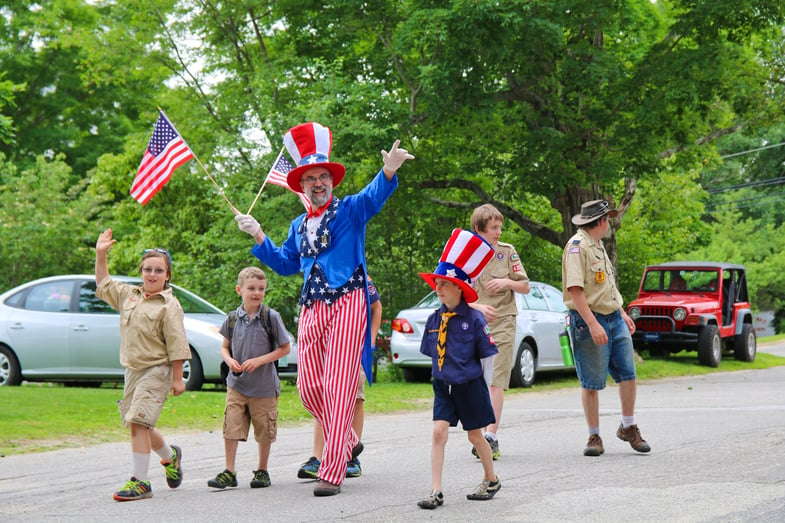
[[394, 159]]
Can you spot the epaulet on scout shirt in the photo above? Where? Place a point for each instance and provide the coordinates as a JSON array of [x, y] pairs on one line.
[[574, 249]]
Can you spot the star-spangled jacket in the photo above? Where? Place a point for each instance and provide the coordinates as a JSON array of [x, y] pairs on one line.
[[344, 248]]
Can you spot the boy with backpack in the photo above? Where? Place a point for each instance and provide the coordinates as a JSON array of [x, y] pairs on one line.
[[254, 338]]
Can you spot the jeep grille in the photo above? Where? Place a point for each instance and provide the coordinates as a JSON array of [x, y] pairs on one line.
[[655, 318]]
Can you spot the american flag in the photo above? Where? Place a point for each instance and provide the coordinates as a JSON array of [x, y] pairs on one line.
[[277, 176], [166, 152]]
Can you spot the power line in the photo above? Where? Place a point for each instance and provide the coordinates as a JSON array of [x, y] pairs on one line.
[[753, 150]]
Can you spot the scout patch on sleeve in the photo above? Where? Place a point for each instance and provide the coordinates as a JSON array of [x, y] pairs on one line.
[[516, 267], [486, 330], [514, 256], [575, 250]]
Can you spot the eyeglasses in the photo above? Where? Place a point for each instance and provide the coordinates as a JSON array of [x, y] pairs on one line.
[[160, 251], [310, 180], [150, 270]]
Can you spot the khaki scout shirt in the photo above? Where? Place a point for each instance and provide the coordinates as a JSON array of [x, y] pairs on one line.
[[505, 264], [151, 329], [585, 264]]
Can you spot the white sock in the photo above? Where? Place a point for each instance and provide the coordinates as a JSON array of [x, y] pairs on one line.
[[594, 431], [626, 421], [165, 452], [141, 464], [491, 435]]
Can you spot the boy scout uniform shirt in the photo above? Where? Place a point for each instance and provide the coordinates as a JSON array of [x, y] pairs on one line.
[[468, 341], [151, 329], [505, 264], [250, 340], [585, 264]]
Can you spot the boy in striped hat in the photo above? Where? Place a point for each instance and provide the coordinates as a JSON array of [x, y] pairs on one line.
[[459, 342]]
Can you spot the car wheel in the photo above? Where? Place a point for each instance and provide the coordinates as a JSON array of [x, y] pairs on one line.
[[10, 373], [416, 374], [193, 374], [524, 367], [745, 344], [709, 346]]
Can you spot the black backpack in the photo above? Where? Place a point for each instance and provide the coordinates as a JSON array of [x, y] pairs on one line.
[[268, 326]]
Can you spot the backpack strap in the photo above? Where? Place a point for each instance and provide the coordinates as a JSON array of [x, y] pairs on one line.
[[266, 322], [232, 319]]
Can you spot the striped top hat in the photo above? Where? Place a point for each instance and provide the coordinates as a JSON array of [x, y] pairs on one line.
[[463, 259], [309, 146]]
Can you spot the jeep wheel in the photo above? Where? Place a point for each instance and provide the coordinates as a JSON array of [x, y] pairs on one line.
[[745, 345], [709, 346]]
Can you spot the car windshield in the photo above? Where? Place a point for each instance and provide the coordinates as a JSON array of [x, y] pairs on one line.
[[431, 301], [680, 280]]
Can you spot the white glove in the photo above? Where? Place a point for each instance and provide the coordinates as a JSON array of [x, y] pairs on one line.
[[248, 224], [395, 158]]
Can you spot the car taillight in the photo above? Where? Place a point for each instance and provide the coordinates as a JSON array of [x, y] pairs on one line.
[[402, 325]]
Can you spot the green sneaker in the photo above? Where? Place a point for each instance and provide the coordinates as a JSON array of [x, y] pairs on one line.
[[260, 479], [223, 480], [309, 469], [495, 452], [353, 468], [133, 490], [174, 472]]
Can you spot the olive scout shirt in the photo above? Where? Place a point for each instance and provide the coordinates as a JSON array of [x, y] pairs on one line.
[[505, 264], [585, 264], [151, 329]]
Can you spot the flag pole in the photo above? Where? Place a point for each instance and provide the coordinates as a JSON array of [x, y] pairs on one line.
[[264, 183], [220, 191]]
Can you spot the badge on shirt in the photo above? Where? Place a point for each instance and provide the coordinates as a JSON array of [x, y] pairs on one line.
[[465, 326], [486, 330], [599, 277], [514, 257], [575, 250], [516, 267], [499, 255]]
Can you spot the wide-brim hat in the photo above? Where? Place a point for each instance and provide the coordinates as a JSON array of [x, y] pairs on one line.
[[592, 210], [463, 259], [309, 145]]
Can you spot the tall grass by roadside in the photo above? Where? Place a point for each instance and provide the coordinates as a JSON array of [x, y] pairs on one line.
[[38, 417]]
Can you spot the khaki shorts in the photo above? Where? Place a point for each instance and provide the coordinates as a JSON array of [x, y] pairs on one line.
[[144, 394], [503, 332], [361, 385], [241, 410]]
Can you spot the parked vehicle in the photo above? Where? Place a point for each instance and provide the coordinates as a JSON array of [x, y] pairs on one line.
[[542, 317], [56, 329], [694, 306]]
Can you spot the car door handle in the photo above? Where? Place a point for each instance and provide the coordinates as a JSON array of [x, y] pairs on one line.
[[80, 328], [17, 326]]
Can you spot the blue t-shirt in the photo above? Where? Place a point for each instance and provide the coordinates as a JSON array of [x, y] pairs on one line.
[[468, 341]]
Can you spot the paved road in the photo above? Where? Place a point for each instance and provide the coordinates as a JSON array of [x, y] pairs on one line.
[[718, 455]]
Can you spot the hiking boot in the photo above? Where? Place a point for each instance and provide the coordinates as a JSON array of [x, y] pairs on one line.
[[260, 479], [434, 499], [494, 444], [133, 490], [223, 480], [485, 490], [309, 469], [353, 469], [594, 446], [632, 435], [174, 472], [325, 488]]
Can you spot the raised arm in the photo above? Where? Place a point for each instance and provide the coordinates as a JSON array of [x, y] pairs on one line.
[[102, 246]]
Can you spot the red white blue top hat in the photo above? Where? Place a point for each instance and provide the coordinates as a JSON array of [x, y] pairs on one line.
[[309, 146], [463, 259]]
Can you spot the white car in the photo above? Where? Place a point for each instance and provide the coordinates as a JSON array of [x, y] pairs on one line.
[[56, 329], [542, 317]]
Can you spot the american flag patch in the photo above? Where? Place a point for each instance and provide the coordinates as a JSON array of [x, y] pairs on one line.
[[575, 250]]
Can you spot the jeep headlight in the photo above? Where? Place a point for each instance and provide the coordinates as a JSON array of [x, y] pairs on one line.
[[679, 314], [634, 313]]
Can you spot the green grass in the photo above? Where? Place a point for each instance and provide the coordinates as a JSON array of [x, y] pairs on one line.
[[39, 417]]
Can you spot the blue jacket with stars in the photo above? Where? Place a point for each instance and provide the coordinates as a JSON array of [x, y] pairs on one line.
[[341, 246]]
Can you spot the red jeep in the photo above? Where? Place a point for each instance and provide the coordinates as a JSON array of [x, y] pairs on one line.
[[699, 306]]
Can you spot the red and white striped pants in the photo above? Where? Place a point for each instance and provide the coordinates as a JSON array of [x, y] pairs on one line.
[[329, 346]]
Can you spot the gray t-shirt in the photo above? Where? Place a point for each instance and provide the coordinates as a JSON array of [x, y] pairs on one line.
[[249, 340]]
